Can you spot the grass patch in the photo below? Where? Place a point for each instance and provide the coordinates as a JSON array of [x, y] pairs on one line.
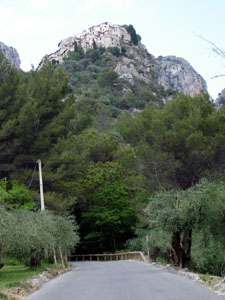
[[161, 261], [13, 275]]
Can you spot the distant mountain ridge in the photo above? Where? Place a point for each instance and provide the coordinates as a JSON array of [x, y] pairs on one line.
[[137, 63], [11, 54]]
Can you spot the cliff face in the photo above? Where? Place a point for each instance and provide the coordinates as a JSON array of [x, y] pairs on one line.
[[136, 62], [220, 101], [177, 74], [11, 54]]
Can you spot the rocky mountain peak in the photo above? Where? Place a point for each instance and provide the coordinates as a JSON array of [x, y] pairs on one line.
[[177, 74], [11, 54], [103, 35], [135, 62]]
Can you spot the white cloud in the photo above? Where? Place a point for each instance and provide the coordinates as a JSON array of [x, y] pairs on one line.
[[33, 26], [40, 6], [91, 5], [5, 13], [123, 5], [108, 5]]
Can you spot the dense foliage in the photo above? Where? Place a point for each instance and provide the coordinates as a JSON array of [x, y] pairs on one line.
[[187, 224], [121, 176], [134, 37], [179, 144], [109, 218], [30, 235]]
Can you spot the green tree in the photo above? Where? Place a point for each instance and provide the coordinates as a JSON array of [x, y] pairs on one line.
[[108, 217], [17, 196], [175, 217], [108, 79], [133, 35], [9, 106], [29, 235], [42, 118], [65, 235], [179, 144]]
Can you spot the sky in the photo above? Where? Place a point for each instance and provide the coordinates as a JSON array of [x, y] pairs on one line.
[[167, 27]]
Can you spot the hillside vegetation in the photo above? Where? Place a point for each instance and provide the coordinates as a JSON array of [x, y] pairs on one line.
[[118, 160]]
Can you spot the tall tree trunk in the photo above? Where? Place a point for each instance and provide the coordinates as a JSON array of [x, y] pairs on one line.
[[1, 263], [35, 259], [54, 255], [61, 256], [177, 249], [182, 250], [154, 253], [186, 247]]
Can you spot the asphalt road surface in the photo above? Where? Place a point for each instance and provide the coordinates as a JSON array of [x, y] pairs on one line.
[[121, 280]]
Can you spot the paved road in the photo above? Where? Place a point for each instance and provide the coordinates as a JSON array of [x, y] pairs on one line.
[[121, 280]]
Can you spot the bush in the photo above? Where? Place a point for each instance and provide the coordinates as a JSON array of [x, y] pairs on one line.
[[207, 257], [114, 51], [108, 79], [133, 35]]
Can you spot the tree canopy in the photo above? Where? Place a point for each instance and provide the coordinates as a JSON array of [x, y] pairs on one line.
[[115, 158]]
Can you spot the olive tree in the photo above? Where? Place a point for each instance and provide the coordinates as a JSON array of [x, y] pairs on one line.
[[29, 235], [182, 220]]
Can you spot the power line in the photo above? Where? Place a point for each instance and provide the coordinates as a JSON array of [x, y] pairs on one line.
[[5, 189], [32, 176], [35, 166]]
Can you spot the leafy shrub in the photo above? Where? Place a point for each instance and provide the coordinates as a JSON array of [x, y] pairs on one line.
[[207, 254], [134, 38], [114, 51], [108, 79]]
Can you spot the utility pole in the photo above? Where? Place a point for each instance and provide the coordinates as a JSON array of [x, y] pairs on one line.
[[41, 186], [148, 252]]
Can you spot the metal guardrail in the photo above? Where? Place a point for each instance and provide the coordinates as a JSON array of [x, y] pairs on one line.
[[137, 255]]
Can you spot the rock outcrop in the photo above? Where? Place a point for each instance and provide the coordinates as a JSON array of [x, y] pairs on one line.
[[11, 54], [136, 62], [102, 35], [177, 74], [220, 101]]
